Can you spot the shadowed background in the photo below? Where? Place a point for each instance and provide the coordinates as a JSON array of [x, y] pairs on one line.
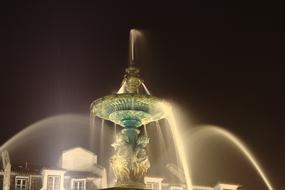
[[220, 61]]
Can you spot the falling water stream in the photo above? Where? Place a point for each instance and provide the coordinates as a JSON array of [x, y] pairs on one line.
[[202, 131], [102, 140], [115, 131], [146, 90], [64, 120], [161, 141], [145, 131], [179, 144], [92, 133]]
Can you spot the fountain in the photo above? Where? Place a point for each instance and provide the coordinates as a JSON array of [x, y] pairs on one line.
[[134, 109], [130, 110]]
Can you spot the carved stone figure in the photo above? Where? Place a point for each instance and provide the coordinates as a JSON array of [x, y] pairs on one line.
[[130, 162]]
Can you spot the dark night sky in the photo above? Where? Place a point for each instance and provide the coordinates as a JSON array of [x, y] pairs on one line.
[[221, 61]]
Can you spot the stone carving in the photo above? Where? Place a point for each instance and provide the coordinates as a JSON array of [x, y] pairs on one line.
[[130, 162]]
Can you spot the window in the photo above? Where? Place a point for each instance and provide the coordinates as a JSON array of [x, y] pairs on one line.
[[21, 183], [35, 182], [78, 184], [152, 185], [176, 188], [53, 182]]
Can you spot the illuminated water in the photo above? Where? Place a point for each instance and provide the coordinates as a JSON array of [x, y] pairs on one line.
[[115, 131], [102, 139], [161, 139], [146, 90], [33, 144], [202, 132], [180, 147], [79, 123], [134, 35], [47, 123], [100, 135], [92, 133], [145, 130]]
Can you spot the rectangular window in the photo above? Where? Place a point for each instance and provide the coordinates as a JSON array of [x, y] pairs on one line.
[[36, 183], [53, 182], [78, 184], [152, 185], [21, 183], [176, 188]]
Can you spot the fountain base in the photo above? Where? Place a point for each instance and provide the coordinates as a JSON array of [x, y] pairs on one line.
[[127, 188]]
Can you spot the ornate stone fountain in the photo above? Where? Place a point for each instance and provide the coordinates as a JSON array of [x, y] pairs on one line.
[[130, 109]]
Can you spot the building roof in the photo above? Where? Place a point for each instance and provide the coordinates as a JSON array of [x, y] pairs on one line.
[[77, 159], [78, 148], [37, 169], [27, 169], [80, 174]]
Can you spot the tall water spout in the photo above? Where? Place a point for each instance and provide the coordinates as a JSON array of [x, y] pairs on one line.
[[134, 34]]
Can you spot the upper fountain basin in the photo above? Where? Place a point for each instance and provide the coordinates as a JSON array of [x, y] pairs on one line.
[[129, 110]]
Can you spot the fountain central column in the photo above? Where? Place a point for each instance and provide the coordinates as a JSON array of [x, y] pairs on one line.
[[130, 162]]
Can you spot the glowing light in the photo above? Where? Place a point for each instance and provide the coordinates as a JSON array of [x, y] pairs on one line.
[[179, 144], [242, 147]]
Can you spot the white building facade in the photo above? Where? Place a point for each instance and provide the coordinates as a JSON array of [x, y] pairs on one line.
[[156, 183], [77, 169]]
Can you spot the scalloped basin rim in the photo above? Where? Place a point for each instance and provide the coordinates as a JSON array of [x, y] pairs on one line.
[[129, 110]]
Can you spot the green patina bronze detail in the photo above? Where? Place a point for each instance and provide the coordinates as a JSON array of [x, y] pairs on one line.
[[129, 110]]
